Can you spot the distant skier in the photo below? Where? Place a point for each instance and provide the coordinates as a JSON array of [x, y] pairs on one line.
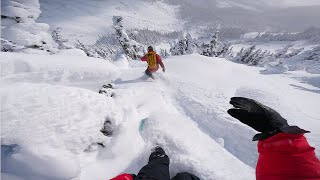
[[153, 60]]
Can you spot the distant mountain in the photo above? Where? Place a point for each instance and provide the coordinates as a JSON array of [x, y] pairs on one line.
[[253, 15]]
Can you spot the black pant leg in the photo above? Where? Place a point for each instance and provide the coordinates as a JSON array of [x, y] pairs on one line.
[[185, 176], [157, 167], [148, 73]]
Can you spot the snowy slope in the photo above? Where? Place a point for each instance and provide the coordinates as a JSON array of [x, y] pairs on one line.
[[52, 111]]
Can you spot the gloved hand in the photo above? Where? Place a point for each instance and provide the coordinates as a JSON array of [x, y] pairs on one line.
[[163, 70], [261, 118]]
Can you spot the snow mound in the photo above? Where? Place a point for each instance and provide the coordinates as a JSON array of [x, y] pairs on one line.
[[71, 52], [20, 9], [49, 125], [275, 68], [28, 34], [69, 118], [121, 62], [19, 27], [55, 69]]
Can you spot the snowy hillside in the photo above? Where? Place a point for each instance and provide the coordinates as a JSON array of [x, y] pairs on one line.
[[86, 20], [52, 113]]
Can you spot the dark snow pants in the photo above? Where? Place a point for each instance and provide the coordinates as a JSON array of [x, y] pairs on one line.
[[185, 176], [148, 73], [157, 167]]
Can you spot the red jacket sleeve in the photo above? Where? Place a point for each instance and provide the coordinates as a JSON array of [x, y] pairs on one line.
[[287, 156], [123, 177], [144, 58], [159, 61]]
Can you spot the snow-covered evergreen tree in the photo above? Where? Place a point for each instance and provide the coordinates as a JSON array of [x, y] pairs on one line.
[[185, 45], [148, 37], [252, 56], [57, 37], [191, 46], [9, 46], [214, 43], [179, 47], [288, 52], [282, 52], [164, 53], [314, 54], [215, 48], [103, 51], [225, 51], [130, 47]]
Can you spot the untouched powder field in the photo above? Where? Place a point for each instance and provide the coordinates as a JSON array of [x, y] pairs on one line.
[[52, 114]]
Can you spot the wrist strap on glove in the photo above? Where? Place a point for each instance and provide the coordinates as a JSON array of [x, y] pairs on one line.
[[284, 129]]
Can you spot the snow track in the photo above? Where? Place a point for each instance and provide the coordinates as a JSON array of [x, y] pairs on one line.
[[178, 134], [207, 107]]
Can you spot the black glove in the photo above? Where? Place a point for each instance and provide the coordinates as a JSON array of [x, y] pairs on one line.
[[261, 118]]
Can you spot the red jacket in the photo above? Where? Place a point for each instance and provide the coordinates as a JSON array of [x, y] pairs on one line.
[[158, 61], [123, 177], [287, 157]]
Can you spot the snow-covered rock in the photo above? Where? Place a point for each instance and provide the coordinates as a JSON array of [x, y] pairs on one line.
[[20, 10], [19, 25], [28, 34]]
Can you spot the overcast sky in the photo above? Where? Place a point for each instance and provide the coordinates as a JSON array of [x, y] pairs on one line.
[[293, 2]]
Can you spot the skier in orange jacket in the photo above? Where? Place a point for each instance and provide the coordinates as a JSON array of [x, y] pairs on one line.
[[153, 60]]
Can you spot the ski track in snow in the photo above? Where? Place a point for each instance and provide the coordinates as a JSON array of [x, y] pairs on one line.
[[212, 119], [51, 109]]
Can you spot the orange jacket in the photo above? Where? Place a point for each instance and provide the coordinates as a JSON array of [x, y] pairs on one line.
[[287, 157], [153, 67]]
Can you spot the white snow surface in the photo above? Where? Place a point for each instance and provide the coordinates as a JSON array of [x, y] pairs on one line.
[[51, 112]]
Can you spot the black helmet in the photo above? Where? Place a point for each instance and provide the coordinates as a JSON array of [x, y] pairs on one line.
[[150, 48]]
